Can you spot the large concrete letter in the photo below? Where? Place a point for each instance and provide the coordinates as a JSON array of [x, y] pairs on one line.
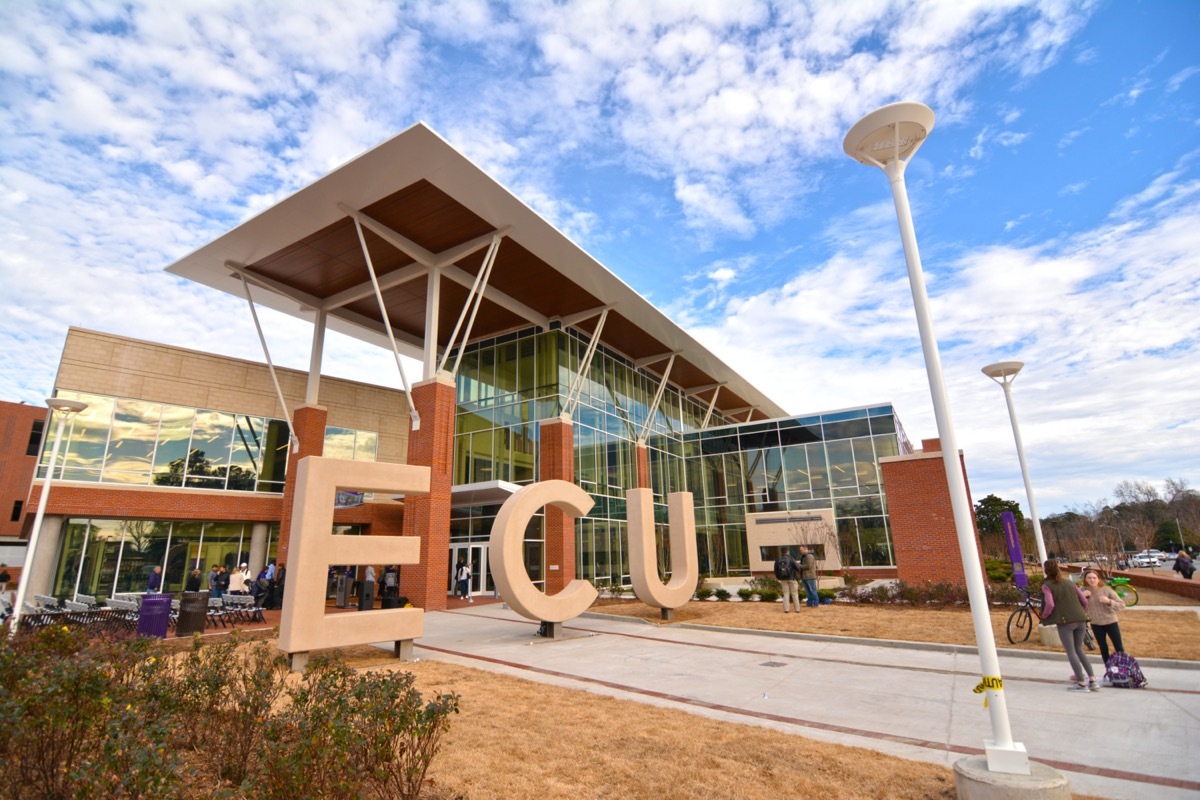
[[507, 553], [303, 625], [643, 565]]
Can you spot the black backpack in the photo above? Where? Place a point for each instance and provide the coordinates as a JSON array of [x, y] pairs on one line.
[[785, 567]]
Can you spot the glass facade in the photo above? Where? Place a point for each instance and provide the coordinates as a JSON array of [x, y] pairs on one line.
[[103, 556], [506, 385], [136, 442]]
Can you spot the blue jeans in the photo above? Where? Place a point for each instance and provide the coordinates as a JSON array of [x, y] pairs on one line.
[[810, 592]]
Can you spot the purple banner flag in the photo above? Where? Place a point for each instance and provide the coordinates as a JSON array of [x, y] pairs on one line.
[[1014, 548]]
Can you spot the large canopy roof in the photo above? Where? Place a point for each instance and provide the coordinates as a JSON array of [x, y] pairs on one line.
[[422, 206]]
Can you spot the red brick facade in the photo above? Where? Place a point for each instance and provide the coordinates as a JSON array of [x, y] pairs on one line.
[[642, 461], [924, 537], [308, 425], [428, 517], [556, 453], [16, 467]]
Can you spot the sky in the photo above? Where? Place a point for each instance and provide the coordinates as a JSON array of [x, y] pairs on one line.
[[695, 149]]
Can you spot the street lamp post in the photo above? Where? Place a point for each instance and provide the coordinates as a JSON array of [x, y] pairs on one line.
[[1004, 373], [888, 138], [64, 410]]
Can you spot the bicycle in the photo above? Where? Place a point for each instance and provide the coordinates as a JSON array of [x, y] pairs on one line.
[[1028, 615], [1024, 618], [1125, 590]]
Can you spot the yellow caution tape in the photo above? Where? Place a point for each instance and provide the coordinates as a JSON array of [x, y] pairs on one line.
[[989, 682]]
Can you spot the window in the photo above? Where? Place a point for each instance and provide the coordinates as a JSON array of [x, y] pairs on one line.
[[18, 506], [35, 437]]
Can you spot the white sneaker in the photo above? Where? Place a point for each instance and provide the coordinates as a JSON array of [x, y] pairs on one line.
[[470, 599]]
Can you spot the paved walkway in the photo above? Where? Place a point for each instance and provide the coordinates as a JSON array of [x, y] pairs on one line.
[[899, 698]]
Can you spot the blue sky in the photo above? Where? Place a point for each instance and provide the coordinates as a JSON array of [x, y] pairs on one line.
[[695, 149]]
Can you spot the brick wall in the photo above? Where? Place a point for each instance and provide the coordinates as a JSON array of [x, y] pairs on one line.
[[642, 461], [17, 468], [308, 426], [428, 517], [924, 537], [556, 451]]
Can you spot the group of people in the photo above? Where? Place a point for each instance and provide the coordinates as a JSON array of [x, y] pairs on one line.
[[220, 581], [1071, 608], [792, 573]]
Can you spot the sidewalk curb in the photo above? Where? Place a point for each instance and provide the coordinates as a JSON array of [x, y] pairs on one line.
[[937, 647]]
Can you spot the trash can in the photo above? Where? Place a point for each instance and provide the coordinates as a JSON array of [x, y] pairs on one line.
[[154, 615], [343, 590], [389, 602], [193, 613], [366, 597]]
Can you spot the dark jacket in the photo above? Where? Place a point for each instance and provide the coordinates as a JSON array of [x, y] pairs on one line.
[[1064, 602], [193, 584]]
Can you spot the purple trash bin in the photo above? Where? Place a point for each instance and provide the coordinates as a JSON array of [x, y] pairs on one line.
[[155, 615]]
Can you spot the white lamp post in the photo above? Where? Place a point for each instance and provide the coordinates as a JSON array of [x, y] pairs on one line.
[[1004, 373], [64, 410], [887, 138]]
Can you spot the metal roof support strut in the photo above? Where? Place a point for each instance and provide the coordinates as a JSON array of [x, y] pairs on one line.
[[711, 405], [270, 366], [387, 326], [474, 300], [658, 396], [585, 367]]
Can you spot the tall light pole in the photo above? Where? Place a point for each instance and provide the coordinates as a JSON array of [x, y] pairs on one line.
[[888, 138], [1004, 373], [64, 410]]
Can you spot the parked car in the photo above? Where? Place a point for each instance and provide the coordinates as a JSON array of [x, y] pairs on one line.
[[1147, 558]]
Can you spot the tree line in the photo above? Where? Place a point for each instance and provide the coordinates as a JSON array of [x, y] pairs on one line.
[[1140, 517]]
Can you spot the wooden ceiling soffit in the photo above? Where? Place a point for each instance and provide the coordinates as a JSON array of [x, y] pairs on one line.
[[520, 274], [426, 215]]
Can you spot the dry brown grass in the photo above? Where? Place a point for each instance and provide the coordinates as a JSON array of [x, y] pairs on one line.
[[1145, 634], [518, 739]]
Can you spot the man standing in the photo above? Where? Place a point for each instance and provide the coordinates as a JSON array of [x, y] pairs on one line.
[[212, 580], [785, 570], [808, 574], [154, 582]]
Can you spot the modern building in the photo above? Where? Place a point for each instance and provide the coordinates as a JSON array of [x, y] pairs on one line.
[[536, 363]]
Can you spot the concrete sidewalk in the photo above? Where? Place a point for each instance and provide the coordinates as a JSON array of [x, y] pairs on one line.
[[914, 702]]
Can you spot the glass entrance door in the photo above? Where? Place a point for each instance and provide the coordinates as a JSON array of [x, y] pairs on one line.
[[476, 556]]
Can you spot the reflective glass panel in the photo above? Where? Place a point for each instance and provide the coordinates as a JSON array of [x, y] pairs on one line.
[[170, 455]]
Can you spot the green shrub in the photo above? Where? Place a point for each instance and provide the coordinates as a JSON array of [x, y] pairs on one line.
[[75, 722], [745, 593], [765, 583], [344, 735], [998, 571], [108, 718], [827, 594], [768, 596], [703, 593], [723, 594]]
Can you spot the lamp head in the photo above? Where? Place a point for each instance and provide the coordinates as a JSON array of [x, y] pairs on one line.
[[1003, 371], [888, 134], [67, 408]]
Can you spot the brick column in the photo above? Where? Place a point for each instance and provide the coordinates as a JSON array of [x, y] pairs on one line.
[[556, 461], [308, 424], [428, 517], [921, 520], [641, 455]]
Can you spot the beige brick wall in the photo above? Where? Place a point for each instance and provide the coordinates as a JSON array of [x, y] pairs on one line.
[[103, 363]]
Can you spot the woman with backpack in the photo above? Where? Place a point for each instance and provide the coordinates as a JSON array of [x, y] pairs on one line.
[[1065, 606], [1103, 604]]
